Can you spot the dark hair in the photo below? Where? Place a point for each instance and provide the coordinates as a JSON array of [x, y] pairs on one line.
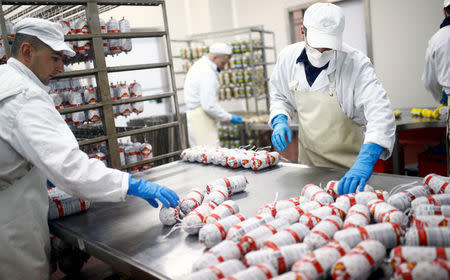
[[447, 9], [21, 38]]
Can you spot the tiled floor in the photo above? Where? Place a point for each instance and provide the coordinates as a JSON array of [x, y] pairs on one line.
[[94, 269]]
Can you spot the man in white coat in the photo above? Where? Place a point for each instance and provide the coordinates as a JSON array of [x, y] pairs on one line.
[[36, 144], [436, 75], [344, 114], [200, 93]]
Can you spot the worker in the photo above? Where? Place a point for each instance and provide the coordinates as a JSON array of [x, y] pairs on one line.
[[436, 75], [36, 144], [200, 92], [332, 89]]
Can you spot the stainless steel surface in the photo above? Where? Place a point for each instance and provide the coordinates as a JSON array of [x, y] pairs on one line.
[[130, 236]]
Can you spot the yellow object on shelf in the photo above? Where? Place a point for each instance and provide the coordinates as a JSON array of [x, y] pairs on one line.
[[426, 113], [397, 113]]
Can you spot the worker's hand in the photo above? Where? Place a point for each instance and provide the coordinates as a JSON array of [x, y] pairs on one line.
[[280, 132], [151, 191], [236, 119], [444, 98], [361, 170]]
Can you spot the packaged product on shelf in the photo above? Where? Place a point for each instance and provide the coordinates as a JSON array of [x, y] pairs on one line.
[[83, 46], [90, 95], [402, 200], [436, 199], [169, 216], [57, 98], [219, 271], [194, 221], [282, 259], [75, 100], [383, 212], [132, 154], [436, 270], [254, 239], [317, 265], [114, 45], [261, 271], [439, 184], [192, 200], [124, 26], [147, 153], [357, 216], [225, 250], [246, 60], [412, 254], [430, 209], [213, 233], [389, 234], [122, 93], [360, 262], [293, 214], [430, 221], [105, 42], [428, 236], [323, 232]]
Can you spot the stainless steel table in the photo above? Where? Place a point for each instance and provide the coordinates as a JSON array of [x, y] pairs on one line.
[[129, 235]]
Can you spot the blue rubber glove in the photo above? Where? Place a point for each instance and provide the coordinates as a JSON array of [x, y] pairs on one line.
[[236, 119], [361, 170], [151, 191], [444, 98], [280, 132]]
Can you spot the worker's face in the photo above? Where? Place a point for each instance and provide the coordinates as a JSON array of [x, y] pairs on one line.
[[46, 63], [221, 61]]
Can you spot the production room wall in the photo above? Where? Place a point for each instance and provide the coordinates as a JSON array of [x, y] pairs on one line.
[[400, 33]]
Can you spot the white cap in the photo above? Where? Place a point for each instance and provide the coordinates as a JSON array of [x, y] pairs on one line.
[[325, 24], [446, 3], [50, 33], [220, 48]]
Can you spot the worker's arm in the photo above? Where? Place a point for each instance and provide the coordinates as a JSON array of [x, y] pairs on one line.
[[371, 98], [43, 138], [208, 87], [429, 76], [281, 99]]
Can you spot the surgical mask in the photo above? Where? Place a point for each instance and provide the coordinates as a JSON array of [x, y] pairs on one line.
[[318, 59]]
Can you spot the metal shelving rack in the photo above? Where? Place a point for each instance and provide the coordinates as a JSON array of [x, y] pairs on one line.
[[68, 9], [251, 33]]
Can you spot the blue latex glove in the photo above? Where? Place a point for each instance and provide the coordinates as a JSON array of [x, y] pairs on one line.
[[236, 119], [444, 98], [151, 191], [280, 132], [361, 170]]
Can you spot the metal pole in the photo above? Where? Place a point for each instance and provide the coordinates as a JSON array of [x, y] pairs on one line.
[[182, 143], [4, 33]]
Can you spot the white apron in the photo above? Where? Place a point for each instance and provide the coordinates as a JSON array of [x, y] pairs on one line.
[[24, 234], [326, 136], [202, 128]]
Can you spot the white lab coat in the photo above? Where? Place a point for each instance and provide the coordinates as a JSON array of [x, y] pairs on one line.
[[436, 75], [35, 144], [360, 94], [200, 89]]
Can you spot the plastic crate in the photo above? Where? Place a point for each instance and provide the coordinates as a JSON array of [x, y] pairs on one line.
[[432, 163]]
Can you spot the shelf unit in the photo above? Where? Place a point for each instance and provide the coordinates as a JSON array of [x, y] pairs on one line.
[[249, 34], [70, 9]]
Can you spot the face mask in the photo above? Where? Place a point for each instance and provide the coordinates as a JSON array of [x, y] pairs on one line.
[[318, 59]]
